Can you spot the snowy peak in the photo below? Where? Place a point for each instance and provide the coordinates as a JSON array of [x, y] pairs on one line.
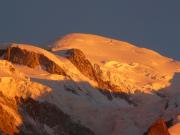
[[125, 66], [110, 64], [35, 57], [102, 49], [103, 62], [85, 85]]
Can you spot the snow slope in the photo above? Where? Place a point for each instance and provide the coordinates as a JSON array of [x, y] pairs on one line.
[[139, 72], [62, 62], [101, 50], [15, 83], [122, 63], [21, 98]]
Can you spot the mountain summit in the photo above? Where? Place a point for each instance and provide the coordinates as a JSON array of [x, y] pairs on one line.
[[87, 84]]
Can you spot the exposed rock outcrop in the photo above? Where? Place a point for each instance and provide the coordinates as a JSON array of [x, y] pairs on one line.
[[2, 52], [21, 116], [32, 59], [49, 119], [79, 60], [158, 128]]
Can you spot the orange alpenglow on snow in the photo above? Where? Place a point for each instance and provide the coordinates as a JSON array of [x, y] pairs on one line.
[[122, 62], [85, 85]]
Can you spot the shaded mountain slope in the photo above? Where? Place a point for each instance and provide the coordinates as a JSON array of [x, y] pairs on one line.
[[24, 111]]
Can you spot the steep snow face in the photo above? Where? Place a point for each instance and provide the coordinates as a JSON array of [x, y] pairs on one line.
[[14, 83], [24, 108], [101, 50], [80, 97], [7, 69], [45, 58], [124, 65]]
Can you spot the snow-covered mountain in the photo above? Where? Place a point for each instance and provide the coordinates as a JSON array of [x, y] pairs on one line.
[[85, 84]]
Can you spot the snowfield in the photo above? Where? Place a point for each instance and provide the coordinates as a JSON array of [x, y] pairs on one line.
[[122, 63], [147, 85]]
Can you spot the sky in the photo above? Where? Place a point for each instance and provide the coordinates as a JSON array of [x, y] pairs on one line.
[[153, 24]]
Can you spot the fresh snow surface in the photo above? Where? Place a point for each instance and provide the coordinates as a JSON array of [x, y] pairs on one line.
[[144, 70], [129, 67], [14, 83], [64, 63], [93, 109], [86, 104], [101, 50]]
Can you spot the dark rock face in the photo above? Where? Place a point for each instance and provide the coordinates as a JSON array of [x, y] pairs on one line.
[[31, 59], [121, 95], [45, 113], [38, 118], [77, 57], [158, 128], [2, 52], [169, 123], [79, 60]]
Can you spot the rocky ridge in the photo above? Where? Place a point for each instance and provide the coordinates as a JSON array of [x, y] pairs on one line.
[[40, 85]]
